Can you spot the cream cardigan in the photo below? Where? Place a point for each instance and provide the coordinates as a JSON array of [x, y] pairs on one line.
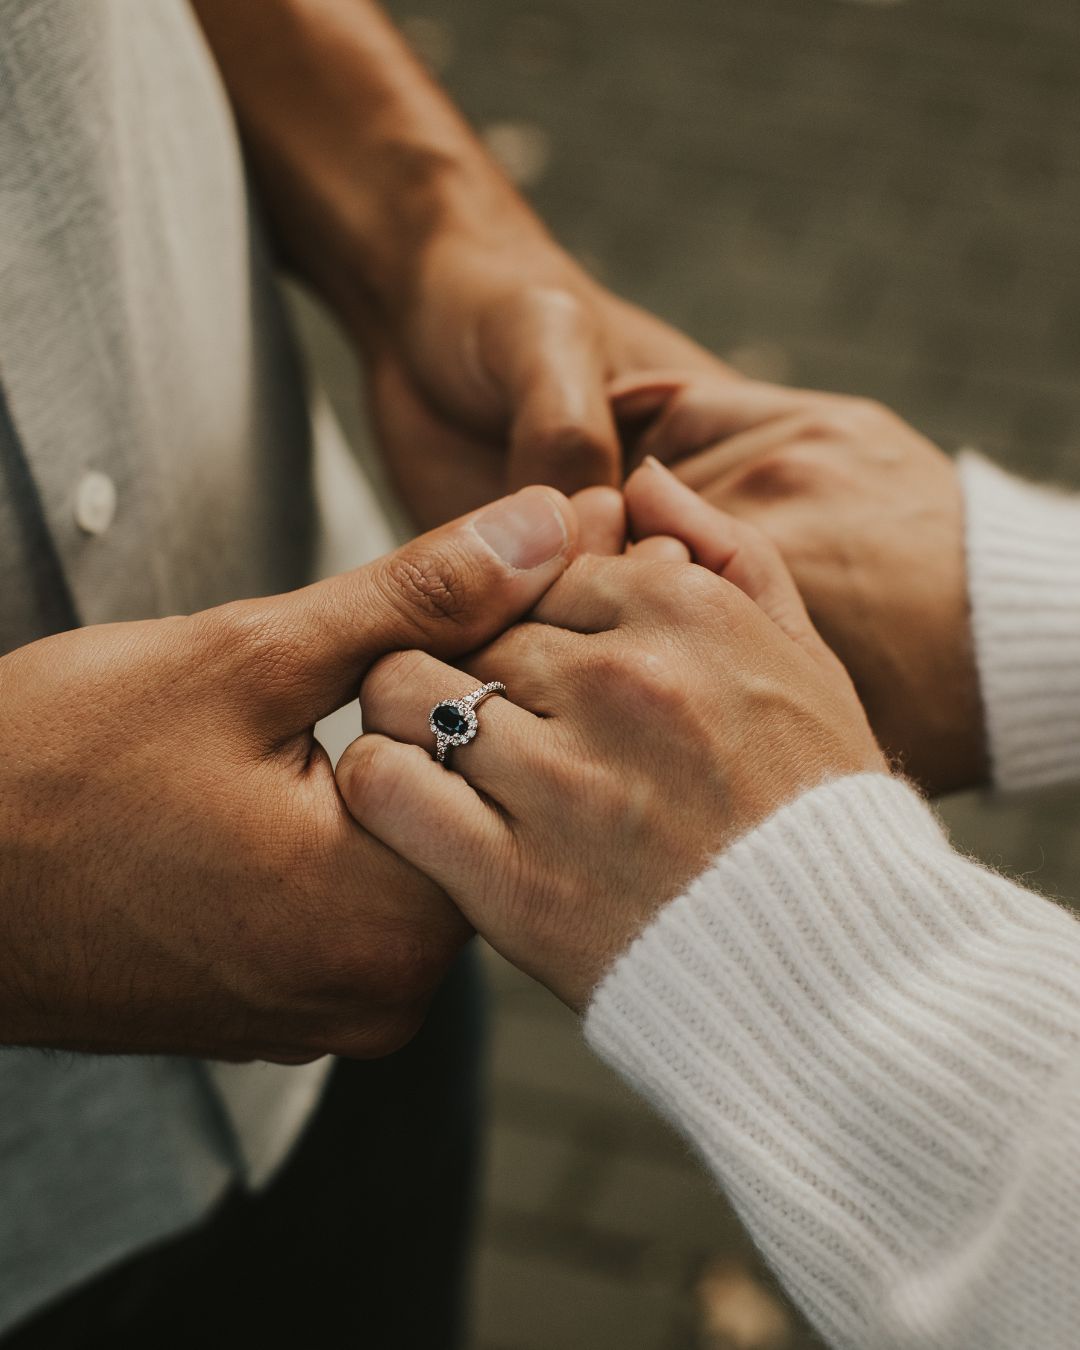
[[874, 1041]]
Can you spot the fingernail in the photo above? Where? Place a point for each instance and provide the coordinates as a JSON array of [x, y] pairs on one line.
[[525, 531], [653, 463]]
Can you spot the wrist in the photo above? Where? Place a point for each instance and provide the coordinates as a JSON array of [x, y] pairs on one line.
[[449, 216], [361, 159], [574, 972]]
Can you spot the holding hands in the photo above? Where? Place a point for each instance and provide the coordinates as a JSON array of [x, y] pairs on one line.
[[656, 710], [660, 704], [663, 702]]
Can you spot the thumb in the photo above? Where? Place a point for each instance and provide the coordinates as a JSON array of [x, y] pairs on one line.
[[546, 356], [446, 592], [657, 503]]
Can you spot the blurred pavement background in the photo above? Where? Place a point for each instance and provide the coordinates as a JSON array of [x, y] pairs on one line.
[[881, 197]]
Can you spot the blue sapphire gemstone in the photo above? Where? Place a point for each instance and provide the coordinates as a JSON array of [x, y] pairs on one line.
[[450, 720]]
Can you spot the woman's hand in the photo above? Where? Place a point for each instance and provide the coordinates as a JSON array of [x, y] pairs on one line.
[[655, 711], [868, 516]]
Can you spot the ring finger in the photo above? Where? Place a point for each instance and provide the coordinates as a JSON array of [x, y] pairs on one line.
[[399, 695]]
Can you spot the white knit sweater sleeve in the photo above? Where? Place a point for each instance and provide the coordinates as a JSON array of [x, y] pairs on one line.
[[875, 1044], [1023, 553]]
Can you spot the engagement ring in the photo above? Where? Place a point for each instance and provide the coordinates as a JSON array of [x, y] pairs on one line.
[[453, 722]]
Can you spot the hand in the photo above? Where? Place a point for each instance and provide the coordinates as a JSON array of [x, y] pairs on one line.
[[868, 515], [658, 711], [178, 872], [479, 331], [495, 368]]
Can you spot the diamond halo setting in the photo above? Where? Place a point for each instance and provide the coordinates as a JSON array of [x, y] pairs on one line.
[[453, 722]]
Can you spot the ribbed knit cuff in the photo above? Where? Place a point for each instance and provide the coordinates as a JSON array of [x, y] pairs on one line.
[[853, 1023], [1023, 546]]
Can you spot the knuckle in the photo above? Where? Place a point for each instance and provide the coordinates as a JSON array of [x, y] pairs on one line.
[[705, 598], [688, 421], [789, 472], [387, 675], [658, 684], [598, 571], [640, 676], [571, 778], [572, 456], [365, 773], [558, 304], [641, 576], [555, 311], [433, 587], [866, 413], [376, 782], [844, 418], [676, 595], [603, 791], [607, 663], [657, 584], [819, 424], [698, 587]]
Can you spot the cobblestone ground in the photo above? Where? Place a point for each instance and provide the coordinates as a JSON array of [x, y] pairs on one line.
[[877, 197]]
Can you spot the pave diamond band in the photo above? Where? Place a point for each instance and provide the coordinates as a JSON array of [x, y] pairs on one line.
[[453, 721]]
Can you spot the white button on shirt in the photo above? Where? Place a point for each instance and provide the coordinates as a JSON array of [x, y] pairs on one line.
[[95, 502]]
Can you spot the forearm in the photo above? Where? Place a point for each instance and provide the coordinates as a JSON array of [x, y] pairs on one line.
[[360, 158], [875, 1043], [1023, 547]]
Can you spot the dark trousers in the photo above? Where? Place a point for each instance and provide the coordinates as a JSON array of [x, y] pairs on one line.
[[361, 1240]]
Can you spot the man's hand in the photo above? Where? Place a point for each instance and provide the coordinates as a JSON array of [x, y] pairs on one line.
[[494, 371], [488, 348], [177, 870], [655, 711], [868, 515]]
